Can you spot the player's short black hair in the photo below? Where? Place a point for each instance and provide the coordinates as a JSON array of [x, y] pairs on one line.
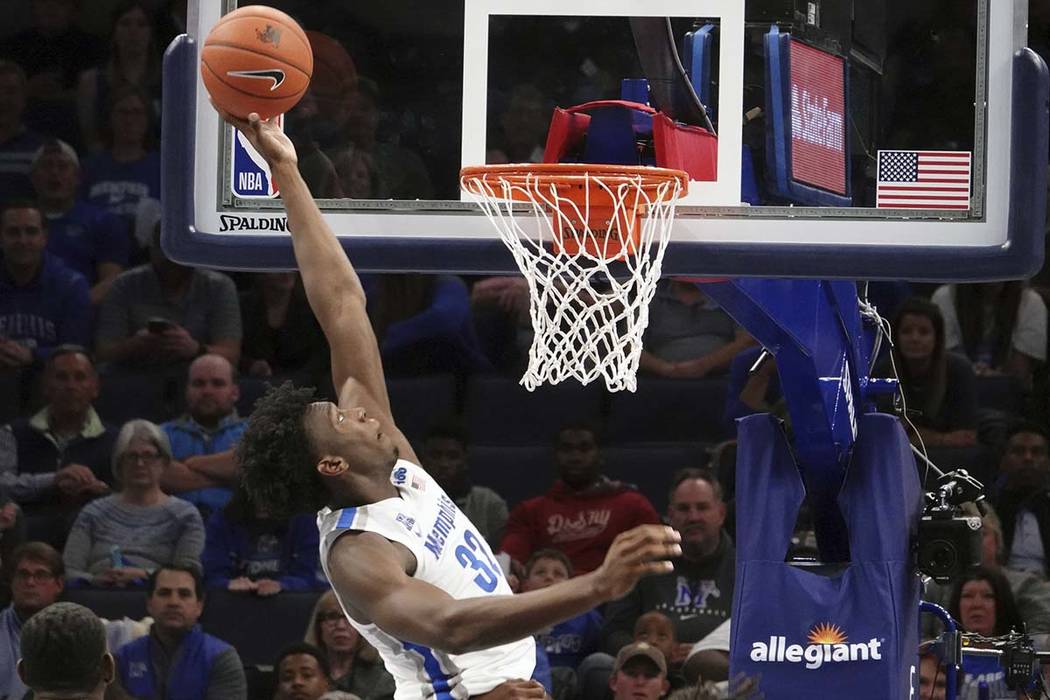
[[276, 457], [308, 650], [62, 648]]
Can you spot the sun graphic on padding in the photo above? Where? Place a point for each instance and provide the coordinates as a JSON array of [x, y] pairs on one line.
[[827, 633]]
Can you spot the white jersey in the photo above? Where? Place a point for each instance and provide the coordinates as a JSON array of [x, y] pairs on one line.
[[449, 555]]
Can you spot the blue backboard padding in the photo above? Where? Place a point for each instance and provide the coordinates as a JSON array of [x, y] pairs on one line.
[[1021, 256], [778, 128], [697, 51]]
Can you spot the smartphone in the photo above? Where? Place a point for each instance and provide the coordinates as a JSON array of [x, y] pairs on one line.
[[159, 325]]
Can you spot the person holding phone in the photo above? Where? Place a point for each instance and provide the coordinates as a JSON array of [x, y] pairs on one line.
[[164, 314]]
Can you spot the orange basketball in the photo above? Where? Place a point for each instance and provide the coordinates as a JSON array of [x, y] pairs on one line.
[[256, 59]]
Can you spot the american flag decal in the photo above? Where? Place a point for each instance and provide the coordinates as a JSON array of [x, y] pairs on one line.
[[923, 180]]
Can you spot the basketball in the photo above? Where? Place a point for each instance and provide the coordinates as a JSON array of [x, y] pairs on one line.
[[256, 59]]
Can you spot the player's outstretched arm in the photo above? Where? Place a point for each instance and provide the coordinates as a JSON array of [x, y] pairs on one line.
[[415, 611], [332, 287]]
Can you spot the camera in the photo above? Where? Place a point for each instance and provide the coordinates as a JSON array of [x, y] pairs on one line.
[[949, 543]]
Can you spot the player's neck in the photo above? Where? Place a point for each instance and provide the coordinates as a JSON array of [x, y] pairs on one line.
[[361, 490]]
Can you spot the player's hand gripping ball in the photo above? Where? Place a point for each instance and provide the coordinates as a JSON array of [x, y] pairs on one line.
[[256, 59]]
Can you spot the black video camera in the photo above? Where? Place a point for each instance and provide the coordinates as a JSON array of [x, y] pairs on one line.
[[949, 543]]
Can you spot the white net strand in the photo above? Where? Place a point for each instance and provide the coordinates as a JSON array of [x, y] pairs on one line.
[[588, 318]]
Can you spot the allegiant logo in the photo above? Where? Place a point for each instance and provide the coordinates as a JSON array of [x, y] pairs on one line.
[[827, 645]]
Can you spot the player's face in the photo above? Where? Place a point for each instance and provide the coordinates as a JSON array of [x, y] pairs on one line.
[[351, 435], [916, 337], [931, 679], [977, 607], [697, 513], [300, 678], [639, 679], [545, 572]]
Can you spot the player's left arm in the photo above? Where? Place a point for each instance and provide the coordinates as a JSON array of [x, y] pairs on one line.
[[333, 288], [371, 575]]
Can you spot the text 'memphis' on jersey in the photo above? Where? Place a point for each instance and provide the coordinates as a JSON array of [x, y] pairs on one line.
[[449, 555]]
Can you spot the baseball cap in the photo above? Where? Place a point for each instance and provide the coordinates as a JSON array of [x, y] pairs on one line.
[[643, 649]]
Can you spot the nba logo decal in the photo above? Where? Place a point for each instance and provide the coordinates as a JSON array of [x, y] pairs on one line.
[[250, 174]]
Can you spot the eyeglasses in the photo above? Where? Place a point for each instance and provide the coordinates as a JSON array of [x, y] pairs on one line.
[[26, 576], [144, 457], [330, 618]]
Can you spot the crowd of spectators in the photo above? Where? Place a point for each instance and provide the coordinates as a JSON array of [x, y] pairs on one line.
[[126, 380]]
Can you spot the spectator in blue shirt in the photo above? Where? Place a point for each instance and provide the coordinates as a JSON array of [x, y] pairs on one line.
[[424, 325], [203, 440], [128, 170], [18, 143], [566, 643], [246, 551], [43, 303], [89, 239]]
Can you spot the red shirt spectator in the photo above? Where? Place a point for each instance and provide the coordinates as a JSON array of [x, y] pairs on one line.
[[582, 513]]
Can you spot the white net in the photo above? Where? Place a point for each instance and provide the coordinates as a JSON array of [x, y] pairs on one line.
[[591, 246]]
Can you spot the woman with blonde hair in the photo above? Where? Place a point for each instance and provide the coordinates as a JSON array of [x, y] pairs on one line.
[[356, 666]]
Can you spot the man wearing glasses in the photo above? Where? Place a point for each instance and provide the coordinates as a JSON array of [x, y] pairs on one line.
[[37, 582]]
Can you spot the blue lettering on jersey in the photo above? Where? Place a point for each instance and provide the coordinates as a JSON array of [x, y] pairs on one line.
[[399, 475], [443, 526], [466, 554]]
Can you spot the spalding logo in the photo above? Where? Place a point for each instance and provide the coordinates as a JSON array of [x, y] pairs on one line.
[[270, 35]]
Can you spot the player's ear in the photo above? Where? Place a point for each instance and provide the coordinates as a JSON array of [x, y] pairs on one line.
[[331, 465]]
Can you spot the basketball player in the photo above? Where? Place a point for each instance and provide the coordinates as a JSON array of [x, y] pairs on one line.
[[409, 570]]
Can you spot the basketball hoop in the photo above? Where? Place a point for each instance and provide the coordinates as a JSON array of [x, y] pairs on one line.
[[590, 243]]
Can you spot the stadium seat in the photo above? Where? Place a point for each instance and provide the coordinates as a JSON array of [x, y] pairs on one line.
[[651, 466], [258, 627], [499, 411], [126, 395], [515, 473], [11, 392], [110, 604], [668, 410], [1003, 393], [418, 401]]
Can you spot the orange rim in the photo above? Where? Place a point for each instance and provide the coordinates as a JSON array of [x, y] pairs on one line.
[[572, 175], [587, 185]]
